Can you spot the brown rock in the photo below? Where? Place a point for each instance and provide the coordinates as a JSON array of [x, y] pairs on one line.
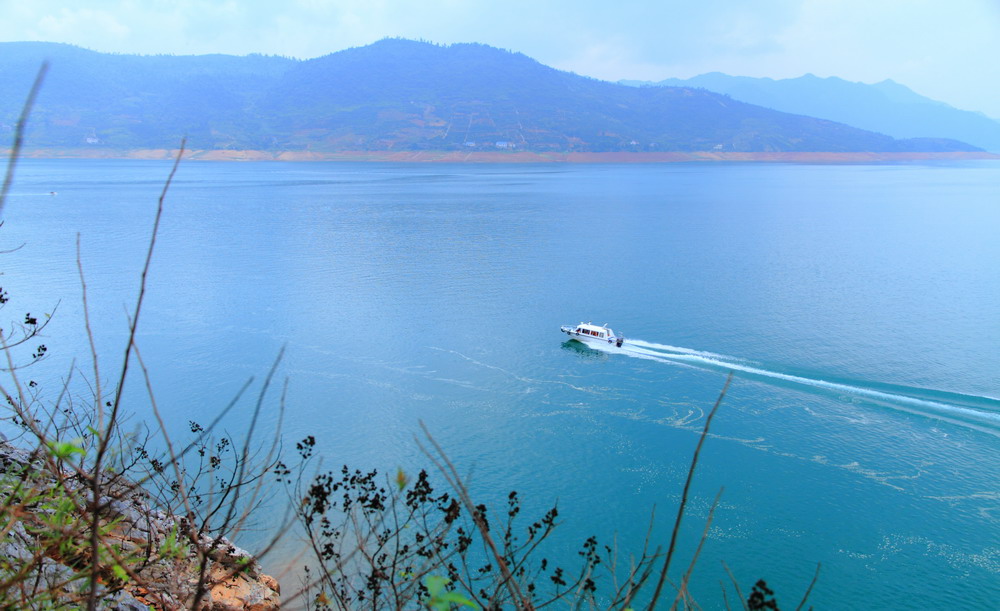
[[240, 593]]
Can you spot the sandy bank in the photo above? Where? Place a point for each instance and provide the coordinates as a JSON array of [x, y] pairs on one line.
[[499, 157]]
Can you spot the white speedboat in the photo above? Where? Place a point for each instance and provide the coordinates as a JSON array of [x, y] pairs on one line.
[[590, 333]]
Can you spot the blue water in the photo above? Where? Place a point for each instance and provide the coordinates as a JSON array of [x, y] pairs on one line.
[[858, 305]]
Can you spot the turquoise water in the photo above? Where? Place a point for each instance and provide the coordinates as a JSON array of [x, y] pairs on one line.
[[858, 306]]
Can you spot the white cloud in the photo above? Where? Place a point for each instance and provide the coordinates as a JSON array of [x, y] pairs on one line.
[[66, 22]]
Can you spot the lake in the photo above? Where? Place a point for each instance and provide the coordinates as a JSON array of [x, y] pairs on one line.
[[858, 305]]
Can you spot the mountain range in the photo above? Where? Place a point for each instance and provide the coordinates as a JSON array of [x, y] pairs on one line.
[[886, 107], [393, 95]]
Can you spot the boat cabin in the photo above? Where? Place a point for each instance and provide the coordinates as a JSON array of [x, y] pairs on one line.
[[594, 331]]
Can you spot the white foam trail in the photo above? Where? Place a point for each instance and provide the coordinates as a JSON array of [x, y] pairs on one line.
[[644, 344], [924, 407]]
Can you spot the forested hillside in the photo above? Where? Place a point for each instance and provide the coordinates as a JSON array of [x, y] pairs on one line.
[[391, 95]]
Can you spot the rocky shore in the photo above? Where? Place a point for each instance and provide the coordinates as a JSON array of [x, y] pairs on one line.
[[159, 557]]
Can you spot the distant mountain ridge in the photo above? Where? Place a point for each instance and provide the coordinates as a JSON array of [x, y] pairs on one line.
[[392, 95], [886, 107]]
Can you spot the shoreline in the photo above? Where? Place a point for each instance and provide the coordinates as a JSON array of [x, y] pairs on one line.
[[501, 157]]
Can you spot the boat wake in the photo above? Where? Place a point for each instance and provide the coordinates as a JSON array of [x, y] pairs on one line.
[[980, 412]]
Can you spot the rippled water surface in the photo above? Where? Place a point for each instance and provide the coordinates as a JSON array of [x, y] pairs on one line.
[[858, 305]]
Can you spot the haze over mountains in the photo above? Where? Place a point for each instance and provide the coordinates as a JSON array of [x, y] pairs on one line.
[[394, 95], [886, 107]]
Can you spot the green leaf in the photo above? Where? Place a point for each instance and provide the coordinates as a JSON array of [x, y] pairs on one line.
[[440, 599], [64, 450], [119, 572], [458, 599], [435, 584]]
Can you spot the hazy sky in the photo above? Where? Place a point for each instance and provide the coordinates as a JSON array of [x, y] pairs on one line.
[[948, 50]]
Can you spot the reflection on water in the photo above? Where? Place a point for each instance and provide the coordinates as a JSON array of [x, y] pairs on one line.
[[583, 350]]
